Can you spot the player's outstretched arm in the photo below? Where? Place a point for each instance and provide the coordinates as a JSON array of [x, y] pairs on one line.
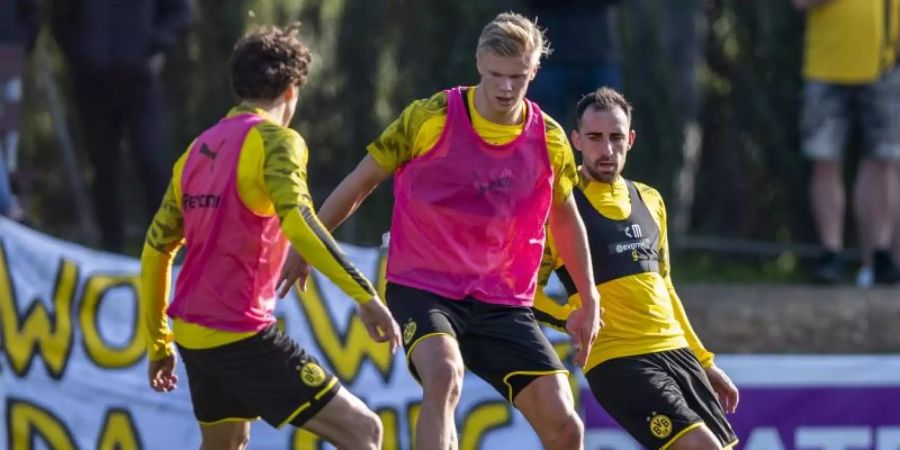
[[284, 176], [352, 191], [315, 244], [571, 243], [342, 202]]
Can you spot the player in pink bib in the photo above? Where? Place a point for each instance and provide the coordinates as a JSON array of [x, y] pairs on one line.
[[237, 200], [478, 171], [467, 194]]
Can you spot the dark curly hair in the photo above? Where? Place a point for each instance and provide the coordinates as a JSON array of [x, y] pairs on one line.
[[267, 61]]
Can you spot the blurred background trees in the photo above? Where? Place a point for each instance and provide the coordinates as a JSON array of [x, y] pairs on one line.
[[715, 84]]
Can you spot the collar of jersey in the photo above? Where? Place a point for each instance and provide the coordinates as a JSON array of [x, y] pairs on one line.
[[244, 109], [479, 120]]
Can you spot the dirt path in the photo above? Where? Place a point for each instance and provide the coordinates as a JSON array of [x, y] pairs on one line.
[[794, 319]]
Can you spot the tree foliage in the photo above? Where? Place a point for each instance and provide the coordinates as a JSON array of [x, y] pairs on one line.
[[729, 65]]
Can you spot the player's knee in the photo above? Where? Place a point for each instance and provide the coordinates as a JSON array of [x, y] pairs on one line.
[[366, 431], [566, 434], [444, 381], [573, 432]]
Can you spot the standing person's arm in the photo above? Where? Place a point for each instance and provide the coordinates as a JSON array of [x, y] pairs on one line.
[[546, 309], [164, 237], [726, 390], [571, 242], [570, 239]]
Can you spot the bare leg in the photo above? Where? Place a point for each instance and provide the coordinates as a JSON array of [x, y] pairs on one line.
[[548, 405], [440, 367], [827, 196], [874, 199], [347, 423]]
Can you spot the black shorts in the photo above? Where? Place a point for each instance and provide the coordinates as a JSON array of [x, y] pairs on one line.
[[501, 344], [266, 375], [660, 396]]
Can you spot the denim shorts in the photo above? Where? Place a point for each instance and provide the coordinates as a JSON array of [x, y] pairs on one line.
[[829, 110]]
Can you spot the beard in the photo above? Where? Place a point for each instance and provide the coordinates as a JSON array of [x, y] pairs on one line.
[[603, 177]]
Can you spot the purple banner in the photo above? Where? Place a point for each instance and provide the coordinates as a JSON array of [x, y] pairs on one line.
[[788, 418]]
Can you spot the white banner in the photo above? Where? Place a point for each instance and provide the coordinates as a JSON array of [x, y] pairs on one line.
[[73, 367], [73, 372]]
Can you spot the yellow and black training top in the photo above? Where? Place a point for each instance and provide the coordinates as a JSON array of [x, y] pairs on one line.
[[626, 227]]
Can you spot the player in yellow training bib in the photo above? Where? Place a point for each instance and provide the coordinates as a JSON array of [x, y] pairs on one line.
[[646, 368]]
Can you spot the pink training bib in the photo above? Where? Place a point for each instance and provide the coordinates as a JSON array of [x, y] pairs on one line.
[[469, 216], [234, 256]]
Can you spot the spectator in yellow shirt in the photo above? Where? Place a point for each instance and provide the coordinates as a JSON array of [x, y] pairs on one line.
[[848, 66]]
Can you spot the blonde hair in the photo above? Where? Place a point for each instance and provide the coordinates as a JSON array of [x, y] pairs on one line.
[[512, 34]]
